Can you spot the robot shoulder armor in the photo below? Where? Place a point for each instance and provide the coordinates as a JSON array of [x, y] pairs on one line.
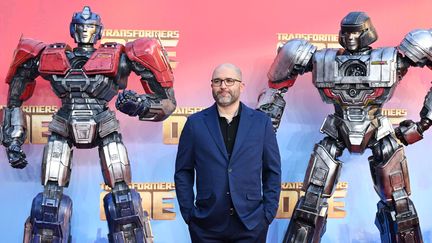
[[150, 54], [417, 46], [26, 50], [295, 55]]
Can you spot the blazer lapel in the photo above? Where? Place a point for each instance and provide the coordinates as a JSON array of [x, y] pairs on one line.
[[243, 128], [213, 126]]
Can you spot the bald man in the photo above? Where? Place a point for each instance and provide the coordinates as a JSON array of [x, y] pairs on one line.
[[230, 151]]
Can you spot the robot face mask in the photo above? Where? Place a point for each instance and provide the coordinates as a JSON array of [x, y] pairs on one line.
[[357, 31], [352, 40], [86, 27], [85, 33]]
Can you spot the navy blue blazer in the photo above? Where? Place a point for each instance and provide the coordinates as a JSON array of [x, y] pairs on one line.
[[251, 177]]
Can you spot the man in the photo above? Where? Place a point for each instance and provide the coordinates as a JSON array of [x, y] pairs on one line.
[[234, 153]]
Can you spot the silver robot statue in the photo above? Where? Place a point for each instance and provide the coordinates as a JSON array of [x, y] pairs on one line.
[[86, 79], [357, 80]]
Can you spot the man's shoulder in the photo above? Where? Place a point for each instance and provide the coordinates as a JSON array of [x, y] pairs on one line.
[[199, 115], [256, 113]]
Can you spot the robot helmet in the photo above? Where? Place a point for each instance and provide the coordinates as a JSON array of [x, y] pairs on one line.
[[357, 22], [83, 19]]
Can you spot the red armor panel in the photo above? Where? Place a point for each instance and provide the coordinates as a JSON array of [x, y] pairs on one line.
[[149, 53], [26, 49], [377, 93], [28, 92], [53, 59], [329, 93], [284, 84], [146, 87], [105, 60]]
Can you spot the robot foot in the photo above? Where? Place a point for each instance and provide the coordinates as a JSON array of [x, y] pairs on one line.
[[127, 221], [306, 226], [50, 217], [400, 227]]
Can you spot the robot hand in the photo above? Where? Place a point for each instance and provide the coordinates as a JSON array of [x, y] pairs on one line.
[[16, 155], [409, 132], [131, 103], [272, 102]]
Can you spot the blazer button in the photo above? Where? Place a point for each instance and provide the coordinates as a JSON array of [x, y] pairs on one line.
[[228, 193], [229, 170]]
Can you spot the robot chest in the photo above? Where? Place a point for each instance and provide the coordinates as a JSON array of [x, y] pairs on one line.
[[355, 79], [378, 69], [349, 94], [77, 81], [62, 62], [76, 76]]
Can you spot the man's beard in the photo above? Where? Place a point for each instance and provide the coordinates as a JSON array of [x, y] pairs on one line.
[[227, 100]]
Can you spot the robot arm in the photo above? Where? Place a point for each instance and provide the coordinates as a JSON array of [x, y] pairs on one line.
[[148, 59], [21, 80], [416, 50], [410, 132], [294, 58]]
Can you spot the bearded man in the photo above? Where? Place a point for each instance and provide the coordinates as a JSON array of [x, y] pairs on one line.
[[231, 152]]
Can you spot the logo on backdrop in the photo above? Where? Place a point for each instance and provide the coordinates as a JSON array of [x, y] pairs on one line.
[[39, 117], [158, 199], [291, 192], [319, 40], [173, 125], [169, 39]]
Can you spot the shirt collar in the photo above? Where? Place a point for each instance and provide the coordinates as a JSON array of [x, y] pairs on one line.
[[237, 113]]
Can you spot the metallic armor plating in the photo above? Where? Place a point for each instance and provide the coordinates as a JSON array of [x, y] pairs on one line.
[[86, 79], [357, 80]]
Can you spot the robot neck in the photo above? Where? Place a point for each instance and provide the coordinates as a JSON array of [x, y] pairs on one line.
[[84, 49], [363, 51], [86, 46]]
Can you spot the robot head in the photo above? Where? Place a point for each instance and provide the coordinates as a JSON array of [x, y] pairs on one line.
[[86, 27], [357, 31]]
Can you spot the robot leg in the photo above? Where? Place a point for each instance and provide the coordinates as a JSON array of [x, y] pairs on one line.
[[396, 218], [51, 210], [127, 222], [310, 215]]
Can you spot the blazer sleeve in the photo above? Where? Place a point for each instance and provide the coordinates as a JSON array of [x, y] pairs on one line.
[[271, 172], [184, 171]]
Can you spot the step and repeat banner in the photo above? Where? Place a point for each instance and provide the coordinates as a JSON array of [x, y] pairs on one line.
[[198, 36]]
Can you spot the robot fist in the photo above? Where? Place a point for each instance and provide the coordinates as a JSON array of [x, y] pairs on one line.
[[16, 156], [272, 103], [408, 132], [131, 103]]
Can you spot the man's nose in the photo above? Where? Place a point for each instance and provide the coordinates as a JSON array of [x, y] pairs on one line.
[[223, 84]]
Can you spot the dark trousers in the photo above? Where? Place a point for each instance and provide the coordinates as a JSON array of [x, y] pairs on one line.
[[235, 232]]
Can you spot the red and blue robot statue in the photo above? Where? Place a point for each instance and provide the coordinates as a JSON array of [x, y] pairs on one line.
[[357, 80], [86, 79]]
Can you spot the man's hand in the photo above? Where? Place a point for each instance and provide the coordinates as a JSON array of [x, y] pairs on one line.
[[16, 156], [409, 132], [272, 103], [131, 103]]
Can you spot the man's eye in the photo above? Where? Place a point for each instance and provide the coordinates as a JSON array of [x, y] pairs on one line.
[[230, 81]]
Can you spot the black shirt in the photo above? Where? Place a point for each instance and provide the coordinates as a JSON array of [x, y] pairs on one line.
[[229, 131]]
